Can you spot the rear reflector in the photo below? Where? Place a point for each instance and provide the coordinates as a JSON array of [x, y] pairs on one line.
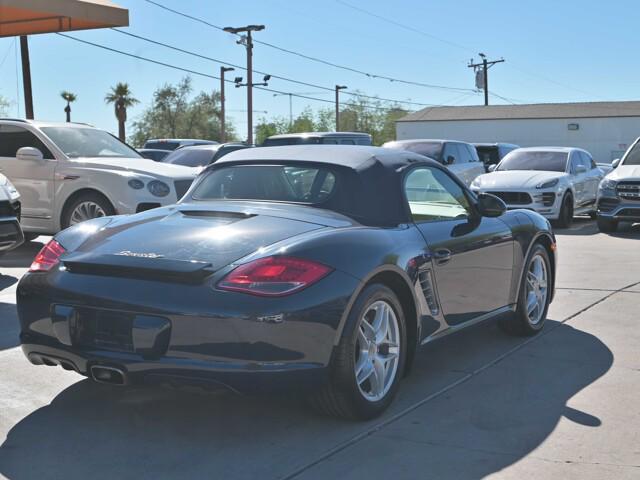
[[274, 276], [48, 257]]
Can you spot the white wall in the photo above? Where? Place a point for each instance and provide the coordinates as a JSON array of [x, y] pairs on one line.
[[604, 138]]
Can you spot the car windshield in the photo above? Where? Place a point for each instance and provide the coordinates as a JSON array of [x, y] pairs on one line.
[[196, 157], [539, 160], [633, 157], [282, 183], [88, 142]]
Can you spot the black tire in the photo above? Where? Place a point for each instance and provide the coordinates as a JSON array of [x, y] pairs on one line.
[[607, 226], [94, 197], [519, 323], [341, 396], [566, 212]]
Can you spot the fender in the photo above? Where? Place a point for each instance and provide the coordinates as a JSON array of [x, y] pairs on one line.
[[389, 268], [535, 239], [66, 188]]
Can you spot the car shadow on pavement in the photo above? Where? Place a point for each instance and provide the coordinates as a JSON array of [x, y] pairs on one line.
[[96, 431], [584, 226], [9, 326], [581, 226], [627, 230], [6, 281], [22, 256]]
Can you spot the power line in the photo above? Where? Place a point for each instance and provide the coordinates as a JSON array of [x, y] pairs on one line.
[[463, 47], [207, 75], [402, 25], [279, 77], [316, 59], [6, 55]]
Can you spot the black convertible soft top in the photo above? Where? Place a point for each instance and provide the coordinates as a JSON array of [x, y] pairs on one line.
[[371, 191]]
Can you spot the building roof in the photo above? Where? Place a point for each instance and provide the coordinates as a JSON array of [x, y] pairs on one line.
[[27, 17], [531, 111]]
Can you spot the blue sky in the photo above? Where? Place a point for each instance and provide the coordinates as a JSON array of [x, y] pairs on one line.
[[555, 52]]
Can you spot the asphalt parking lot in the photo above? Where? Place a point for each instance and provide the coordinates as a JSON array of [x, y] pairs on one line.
[[564, 404]]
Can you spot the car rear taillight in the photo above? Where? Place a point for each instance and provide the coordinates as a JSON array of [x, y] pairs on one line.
[[274, 276], [48, 257]]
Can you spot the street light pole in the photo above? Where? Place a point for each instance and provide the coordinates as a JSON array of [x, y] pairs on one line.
[[338, 88], [223, 128], [248, 43]]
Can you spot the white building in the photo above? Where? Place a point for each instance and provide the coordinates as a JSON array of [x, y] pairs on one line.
[[605, 129]]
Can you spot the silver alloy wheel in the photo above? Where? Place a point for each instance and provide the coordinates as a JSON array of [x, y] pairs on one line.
[[377, 350], [537, 289], [86, 211]]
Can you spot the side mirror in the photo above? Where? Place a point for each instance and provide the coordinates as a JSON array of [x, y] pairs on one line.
[[581, 169], [449, 160], [490, 205], [29, 153], [492, 167], [615, 163]]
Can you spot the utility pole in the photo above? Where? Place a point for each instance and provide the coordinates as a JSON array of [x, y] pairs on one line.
[[291, 95], [290, 105], [247, 41], [26, 77], [338, 88], [484, 66], [223, 128]]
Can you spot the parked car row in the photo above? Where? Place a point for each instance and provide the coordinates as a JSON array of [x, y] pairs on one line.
[[68, 173], [273, 246]]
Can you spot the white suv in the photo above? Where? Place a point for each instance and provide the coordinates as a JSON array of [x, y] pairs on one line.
[[67, 173], [556, 182], [10, 232], [461, 158], [619, 192]]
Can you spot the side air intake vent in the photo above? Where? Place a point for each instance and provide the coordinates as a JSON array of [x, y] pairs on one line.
[[426, 282]]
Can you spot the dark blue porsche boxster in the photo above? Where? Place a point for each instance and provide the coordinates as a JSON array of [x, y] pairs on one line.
[[316, 267]]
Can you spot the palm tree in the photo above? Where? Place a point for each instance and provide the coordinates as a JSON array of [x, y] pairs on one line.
[[68, 97], [121, 97]]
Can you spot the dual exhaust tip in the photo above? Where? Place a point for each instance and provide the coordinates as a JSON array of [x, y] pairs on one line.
[[109, 375]]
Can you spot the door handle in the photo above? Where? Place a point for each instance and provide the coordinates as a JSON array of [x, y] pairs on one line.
[[442, 256]]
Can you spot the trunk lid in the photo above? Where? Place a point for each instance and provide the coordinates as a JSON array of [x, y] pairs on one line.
[[175, 241]]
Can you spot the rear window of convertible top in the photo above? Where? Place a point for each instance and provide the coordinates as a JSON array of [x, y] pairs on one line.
[[281, 183]]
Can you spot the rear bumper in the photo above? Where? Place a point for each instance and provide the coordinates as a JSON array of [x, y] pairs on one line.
[[11, 235], [238, 377], [183, 333]]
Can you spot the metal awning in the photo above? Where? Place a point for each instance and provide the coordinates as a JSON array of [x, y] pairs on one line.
[[28, 17]]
